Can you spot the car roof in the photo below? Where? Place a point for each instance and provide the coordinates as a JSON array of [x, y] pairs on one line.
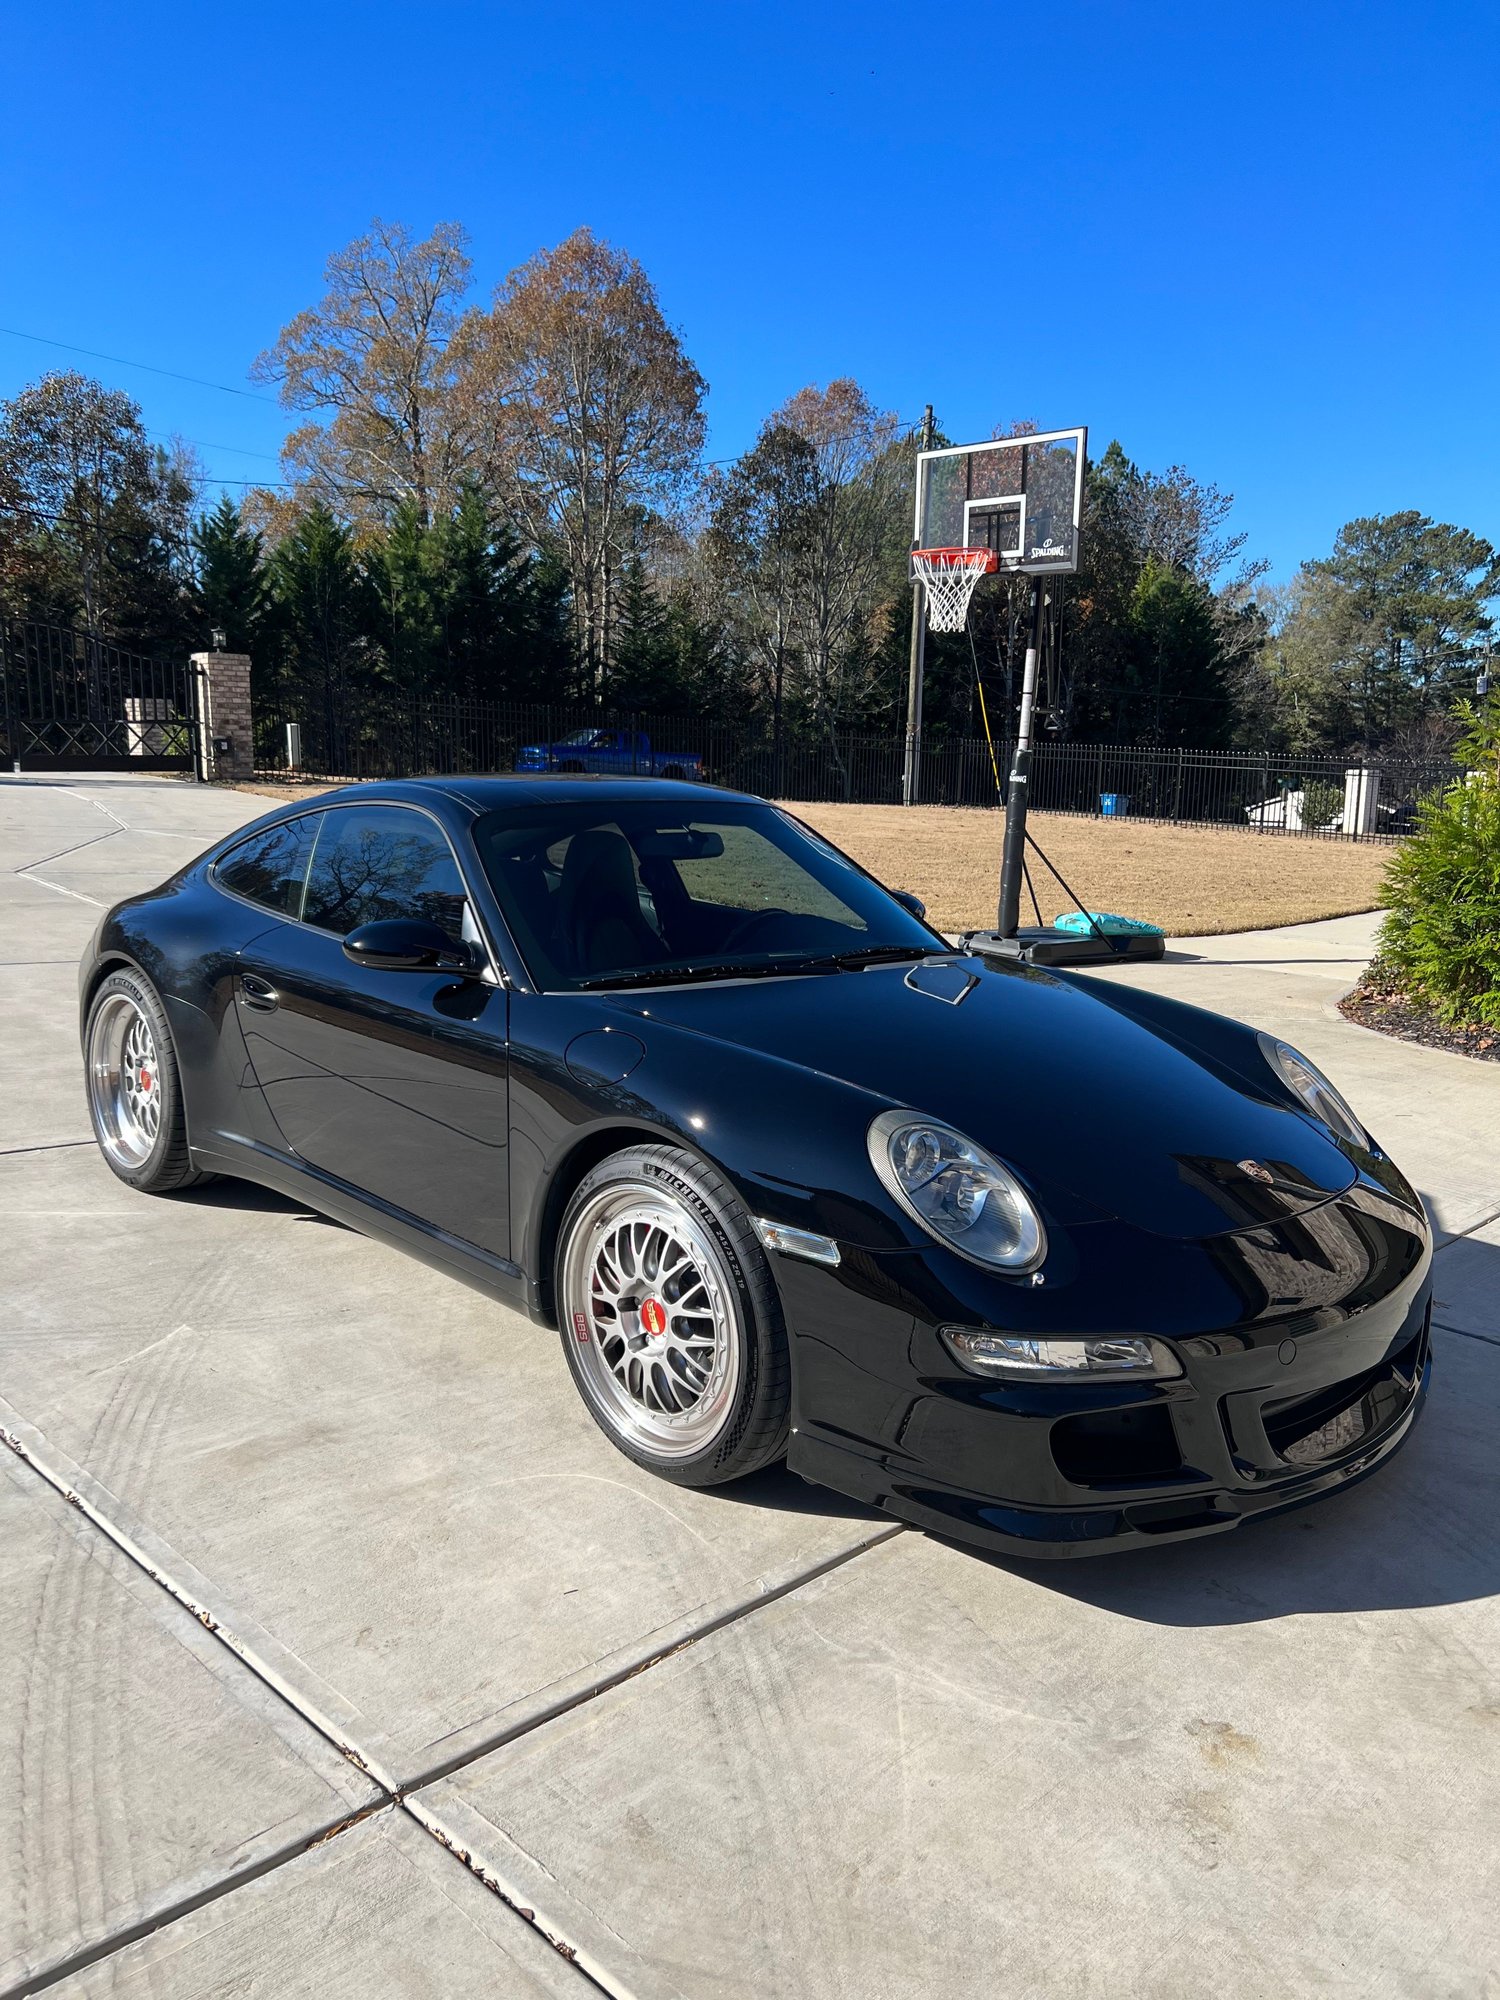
[[520, 788]]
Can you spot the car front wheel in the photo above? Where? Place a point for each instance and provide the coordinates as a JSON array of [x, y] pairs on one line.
[[134, 1091], [670, 1318]]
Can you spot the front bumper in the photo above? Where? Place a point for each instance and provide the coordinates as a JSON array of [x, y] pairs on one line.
[[1310, 1390]]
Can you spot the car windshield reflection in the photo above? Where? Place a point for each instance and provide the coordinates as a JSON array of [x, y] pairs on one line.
[[635, 893]]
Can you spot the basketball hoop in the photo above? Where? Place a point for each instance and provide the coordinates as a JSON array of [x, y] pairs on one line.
[[950, 577]]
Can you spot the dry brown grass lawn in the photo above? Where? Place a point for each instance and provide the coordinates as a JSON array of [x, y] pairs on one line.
[[291, 788], [1191, 880]]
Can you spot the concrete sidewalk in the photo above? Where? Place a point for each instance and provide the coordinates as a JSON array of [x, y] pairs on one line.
[[360, 1663]]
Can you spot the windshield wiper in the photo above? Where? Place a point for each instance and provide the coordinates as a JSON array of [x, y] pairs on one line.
[[834, 961], [851, 961], [665, 975]]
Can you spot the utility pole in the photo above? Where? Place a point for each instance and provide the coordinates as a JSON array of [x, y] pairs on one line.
[[911, 770]]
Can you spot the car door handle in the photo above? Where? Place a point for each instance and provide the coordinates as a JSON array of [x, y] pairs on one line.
[[259, 992]]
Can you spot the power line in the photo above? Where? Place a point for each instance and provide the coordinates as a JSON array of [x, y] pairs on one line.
[[150, 368], [203, 444], [908, 426]]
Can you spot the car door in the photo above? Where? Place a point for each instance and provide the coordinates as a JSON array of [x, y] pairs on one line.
[[393, 1082]]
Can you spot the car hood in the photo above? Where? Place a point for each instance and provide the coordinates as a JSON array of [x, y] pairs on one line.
[[1086, 1102]]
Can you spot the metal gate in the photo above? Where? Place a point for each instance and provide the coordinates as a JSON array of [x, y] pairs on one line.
[[72, 701]]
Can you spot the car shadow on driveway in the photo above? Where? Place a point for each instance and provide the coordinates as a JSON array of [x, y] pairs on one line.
[[1422, 1530], [775, 1489], [248, 1198]]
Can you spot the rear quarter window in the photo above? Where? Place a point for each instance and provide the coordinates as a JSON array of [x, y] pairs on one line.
[[270, 868]]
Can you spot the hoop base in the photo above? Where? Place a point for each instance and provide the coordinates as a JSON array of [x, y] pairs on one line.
[[1042, 945]]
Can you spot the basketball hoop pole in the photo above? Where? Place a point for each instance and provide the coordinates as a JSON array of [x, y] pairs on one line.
[[1014, 853], [911, 769]]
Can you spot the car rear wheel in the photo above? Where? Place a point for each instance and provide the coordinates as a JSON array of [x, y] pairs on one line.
[[670, 1318], [134, 1091]]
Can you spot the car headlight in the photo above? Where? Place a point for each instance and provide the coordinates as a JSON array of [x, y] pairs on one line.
[[1309, 1084], [956, 1191], [1024, 1357]]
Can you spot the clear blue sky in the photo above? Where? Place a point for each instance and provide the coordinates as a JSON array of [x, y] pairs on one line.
[[1259, 240]]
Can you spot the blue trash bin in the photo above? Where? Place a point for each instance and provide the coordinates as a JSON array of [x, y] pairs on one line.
[[1114, 805]]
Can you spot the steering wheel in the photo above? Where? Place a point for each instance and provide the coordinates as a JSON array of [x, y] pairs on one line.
[[746, 929]]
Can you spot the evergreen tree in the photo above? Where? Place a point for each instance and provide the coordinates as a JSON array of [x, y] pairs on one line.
[[94, 521], [328, 611], [1177, 662], [503, 614], [1398, 611], [646, 670], [406, 568], [233, 590]]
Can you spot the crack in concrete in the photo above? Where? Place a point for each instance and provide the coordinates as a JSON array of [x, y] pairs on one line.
[[1464, 1333], [731, 1615], [487, 1878], [396, 1794], [46, 860], [171, 1913], [25, 875], [1459, 1235]]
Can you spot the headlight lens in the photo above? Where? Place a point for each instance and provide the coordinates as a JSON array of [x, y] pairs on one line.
[[1315, 1091], [957, 1191], [1025, 1358]]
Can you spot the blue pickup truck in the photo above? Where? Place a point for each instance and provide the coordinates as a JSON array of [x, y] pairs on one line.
[[613, 753]]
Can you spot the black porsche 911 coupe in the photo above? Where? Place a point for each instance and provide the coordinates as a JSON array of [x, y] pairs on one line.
[[1038, 1260]]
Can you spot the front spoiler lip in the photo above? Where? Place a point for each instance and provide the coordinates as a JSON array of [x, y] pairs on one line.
[[999, 1526]]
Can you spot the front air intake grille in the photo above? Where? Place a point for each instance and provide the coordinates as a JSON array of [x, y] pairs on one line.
[[1291, 1423], [1117, 1447]]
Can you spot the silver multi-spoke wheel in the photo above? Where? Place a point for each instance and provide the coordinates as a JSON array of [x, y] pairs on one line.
[[125, 1081], [651, 1313]]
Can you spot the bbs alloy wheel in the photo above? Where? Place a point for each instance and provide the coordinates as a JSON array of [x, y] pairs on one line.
[[670, 1318], [134, 1092]]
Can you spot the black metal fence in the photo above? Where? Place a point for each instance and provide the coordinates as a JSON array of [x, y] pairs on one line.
[[71, 700], [385, 737]]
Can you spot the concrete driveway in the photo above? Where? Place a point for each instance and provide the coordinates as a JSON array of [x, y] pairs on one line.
[[341, 1655]]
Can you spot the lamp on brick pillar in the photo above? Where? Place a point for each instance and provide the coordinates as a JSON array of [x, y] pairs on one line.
[[226, 743]]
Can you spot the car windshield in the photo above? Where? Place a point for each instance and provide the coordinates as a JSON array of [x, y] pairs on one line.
[[640, 893]]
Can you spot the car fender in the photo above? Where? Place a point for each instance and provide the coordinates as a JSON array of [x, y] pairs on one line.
[[790, 1141]]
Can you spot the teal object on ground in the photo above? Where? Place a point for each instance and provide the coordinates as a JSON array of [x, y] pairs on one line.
[[1101, 920]]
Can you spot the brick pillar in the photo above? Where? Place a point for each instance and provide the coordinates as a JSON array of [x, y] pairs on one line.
[[224, 718]]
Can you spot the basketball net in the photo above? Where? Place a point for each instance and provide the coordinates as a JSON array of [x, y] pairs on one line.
[[949, 577]]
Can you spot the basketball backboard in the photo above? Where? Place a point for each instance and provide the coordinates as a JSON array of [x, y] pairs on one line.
[[1019, 496]]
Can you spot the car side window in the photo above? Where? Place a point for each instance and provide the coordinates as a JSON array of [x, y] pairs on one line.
[[375, 862], [271, 867]]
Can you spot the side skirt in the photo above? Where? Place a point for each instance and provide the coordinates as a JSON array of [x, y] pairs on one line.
[[246, 1160]]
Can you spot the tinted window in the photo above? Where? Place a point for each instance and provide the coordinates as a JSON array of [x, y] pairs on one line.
[[270, 868], [634, 890], [374, 862]]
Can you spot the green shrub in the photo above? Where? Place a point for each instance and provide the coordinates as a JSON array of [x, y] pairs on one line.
[[1441, 940], [1322, 800]]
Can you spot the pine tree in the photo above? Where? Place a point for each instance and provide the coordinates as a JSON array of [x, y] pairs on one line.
[[645, 670], [232, 592], [406, 566], [328, 611], [503, 622]]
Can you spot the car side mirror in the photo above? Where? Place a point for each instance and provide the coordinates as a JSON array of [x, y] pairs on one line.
[[910, 902], [409, 944]]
